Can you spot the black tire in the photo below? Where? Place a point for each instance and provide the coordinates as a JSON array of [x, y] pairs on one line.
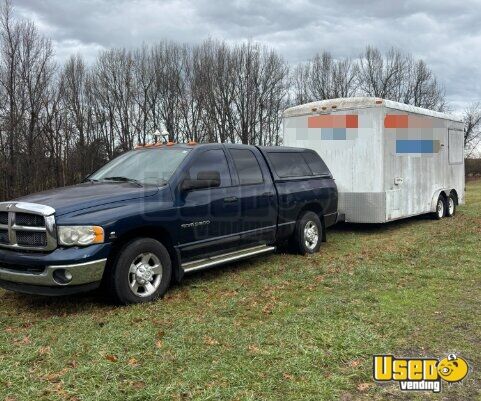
[[150, 256], [440, 208], [299, 241], [451, 205]]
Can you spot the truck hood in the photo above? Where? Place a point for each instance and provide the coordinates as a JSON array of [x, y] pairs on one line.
[[82, 196]]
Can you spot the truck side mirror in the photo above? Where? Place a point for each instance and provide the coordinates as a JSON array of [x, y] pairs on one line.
[[205, 179]]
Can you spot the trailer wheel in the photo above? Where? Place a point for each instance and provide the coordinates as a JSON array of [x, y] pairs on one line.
[[307, 235], [440, 208], [451, 206]]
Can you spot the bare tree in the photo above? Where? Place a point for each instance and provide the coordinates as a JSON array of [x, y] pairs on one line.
[[26, 71], [68, 121], [472, 128], [379, 75]]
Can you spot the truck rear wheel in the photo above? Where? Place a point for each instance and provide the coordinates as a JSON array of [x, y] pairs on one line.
[[141, 273], [307, 235]]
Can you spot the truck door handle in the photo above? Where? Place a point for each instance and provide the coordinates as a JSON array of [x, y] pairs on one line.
[[230, 199], [269, 194]]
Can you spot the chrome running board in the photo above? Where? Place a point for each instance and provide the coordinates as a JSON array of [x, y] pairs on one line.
[[226, 257]]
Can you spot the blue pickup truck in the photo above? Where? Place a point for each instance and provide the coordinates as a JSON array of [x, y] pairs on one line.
[[159, 211]]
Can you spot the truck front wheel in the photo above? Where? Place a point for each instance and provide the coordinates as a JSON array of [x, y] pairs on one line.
[[141, 272], [307, 234]]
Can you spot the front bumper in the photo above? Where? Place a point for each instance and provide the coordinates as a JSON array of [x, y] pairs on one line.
[[65, 270], [82, 273]]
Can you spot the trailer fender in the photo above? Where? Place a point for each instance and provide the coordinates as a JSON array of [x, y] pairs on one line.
[[434, 200]]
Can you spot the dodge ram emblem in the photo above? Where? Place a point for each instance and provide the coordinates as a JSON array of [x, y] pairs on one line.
[[9, 206]]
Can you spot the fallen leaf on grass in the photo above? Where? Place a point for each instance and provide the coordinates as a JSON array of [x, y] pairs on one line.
[[138, 385], [111, 358], [210, 341], [72, 363], [159, 343], [44, 350], [55, 377], [364, 386], [24, 341], [288, 376], [354, 363], [267, 310], [133, 362], [253, 348]]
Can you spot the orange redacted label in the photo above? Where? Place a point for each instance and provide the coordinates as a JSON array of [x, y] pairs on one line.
[[408, 121], [333, 121]]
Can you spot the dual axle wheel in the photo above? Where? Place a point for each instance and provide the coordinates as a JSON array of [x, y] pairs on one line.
[[445, 207]]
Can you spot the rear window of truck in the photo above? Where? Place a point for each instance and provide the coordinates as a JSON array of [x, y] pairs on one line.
[[297, 164], [289, 164], [315, 163]]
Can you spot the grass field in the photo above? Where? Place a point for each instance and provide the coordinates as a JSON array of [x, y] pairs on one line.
[[280, 327]]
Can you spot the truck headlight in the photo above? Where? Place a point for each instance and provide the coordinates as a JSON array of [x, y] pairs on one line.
[[80, 235]]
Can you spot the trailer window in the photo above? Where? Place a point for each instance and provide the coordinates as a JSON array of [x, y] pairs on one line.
[[289, 164], [315, 163], [455, 147]]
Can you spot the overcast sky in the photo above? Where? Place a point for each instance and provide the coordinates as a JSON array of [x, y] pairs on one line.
[[445, 33]]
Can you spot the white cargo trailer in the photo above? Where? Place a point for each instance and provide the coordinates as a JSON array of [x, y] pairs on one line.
[[390, 160]]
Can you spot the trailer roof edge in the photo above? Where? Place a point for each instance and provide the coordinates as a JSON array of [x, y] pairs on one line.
[[349, 103]]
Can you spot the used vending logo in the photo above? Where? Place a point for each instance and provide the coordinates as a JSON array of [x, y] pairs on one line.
[[419, 374]]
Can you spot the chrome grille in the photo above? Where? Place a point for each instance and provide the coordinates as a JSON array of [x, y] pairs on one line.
[[29, 220], [3, 236], [27, 238], [27, 226]]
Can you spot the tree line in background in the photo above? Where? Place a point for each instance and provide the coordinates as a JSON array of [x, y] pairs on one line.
[[60, 122]]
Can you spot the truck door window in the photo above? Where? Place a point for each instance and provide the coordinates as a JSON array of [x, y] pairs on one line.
[[211, 160], [289, 164], [247, 167]]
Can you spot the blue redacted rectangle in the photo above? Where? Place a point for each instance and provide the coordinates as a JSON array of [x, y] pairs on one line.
[[417, 146]]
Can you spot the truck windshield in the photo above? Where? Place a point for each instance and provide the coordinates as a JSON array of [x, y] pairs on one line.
[[144, 166]]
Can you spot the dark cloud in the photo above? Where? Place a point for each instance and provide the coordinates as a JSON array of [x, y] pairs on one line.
[[445, 33]]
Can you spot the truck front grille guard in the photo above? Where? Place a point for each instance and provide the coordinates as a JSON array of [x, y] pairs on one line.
[[35, 229]]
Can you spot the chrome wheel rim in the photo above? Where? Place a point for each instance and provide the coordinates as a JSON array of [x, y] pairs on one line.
[[145, 274], [311, 235], [451, 206], [440, 208]]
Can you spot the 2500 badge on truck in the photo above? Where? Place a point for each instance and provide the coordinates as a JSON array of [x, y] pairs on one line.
[[156, 212]]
